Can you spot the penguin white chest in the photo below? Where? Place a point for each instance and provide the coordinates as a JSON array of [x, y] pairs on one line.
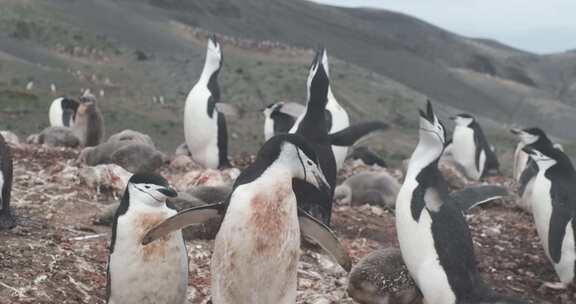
[[418, 251], [201, 129], [268, 127], [155, 273], [340, 121], [259, 242], [541, 204], [55, 113], [542, 211], [464, 151]]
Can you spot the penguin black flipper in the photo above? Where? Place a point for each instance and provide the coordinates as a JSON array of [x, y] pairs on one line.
[[563, 194], [349, 136], [530, 171], [471, 197], [223, 161], [323, 236], [328, 117], [282, 122], [491, 163], [7, 219], [188, 217]]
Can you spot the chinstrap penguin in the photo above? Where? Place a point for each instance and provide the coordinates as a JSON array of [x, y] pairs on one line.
[[312, 126], [62, 112], [204, 126], [434, 237], [553, 205], [262, 226], [470, 148], [155, 273], [279, 117], [7, 218]]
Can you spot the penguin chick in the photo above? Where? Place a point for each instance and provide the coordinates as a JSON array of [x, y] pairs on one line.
[[155, 273], [89, 122], [378, 188], [381, 277]]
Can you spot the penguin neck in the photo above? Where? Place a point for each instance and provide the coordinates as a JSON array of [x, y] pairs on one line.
[[211, 69], [427, 152]]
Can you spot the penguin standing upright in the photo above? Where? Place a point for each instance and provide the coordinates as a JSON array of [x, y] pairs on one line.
[[339, 119], [204, 126], [257, 248], [313, 127], [434, 237], [553, 204], [470, 148], [62, 112], [88, 122], [7, 220], [525, 169], [155, 273]]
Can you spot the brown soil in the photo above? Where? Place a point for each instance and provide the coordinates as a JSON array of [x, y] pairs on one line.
[[47, 260]]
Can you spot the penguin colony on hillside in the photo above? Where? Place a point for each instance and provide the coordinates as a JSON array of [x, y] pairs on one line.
[[288, 191]]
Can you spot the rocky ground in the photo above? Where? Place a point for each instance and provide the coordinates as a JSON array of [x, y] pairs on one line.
[[57, 254]]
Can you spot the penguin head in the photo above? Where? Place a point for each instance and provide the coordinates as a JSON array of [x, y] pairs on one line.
[[87, 99], [530, 135], [149, 189], [318, 80], [213, 55], [293, 152], [432, 130], [463, 120], [545, 156], [272, 108]]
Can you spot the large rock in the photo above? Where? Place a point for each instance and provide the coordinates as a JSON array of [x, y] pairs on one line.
[[132, 136]]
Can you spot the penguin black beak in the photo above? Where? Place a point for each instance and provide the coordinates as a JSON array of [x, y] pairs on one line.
[[169, 192], [213, 39], [429, 114], [528, 150]]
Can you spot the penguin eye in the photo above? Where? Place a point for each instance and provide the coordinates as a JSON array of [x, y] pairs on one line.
[[309, 162], [147, 187]]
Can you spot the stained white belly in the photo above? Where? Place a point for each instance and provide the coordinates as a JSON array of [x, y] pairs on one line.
[[156, 273], [418, 251], [256, 255], [201, 130], [464, 151]]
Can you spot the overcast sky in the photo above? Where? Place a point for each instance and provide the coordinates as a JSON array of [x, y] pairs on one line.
[[541, 26]]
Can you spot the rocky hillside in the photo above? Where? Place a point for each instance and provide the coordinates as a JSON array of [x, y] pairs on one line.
[[144, 56]]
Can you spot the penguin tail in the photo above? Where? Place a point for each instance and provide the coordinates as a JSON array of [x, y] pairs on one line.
[[347, 137]]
